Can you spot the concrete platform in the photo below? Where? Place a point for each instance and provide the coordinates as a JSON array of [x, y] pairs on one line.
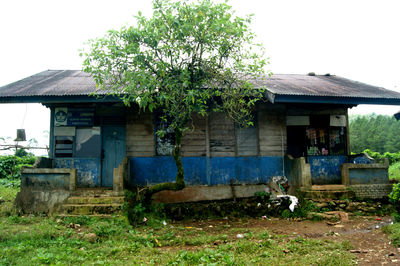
[[206, 193]]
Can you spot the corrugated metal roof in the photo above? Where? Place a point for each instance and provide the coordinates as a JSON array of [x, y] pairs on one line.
[[51, 83], [77, 83], [324, 85]]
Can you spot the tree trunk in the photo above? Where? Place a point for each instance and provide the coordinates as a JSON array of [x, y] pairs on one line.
[[180, 177]]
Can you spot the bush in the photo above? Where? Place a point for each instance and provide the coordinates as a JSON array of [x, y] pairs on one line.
[[10, 166], [394, 171], [392, 157], [394, 196]]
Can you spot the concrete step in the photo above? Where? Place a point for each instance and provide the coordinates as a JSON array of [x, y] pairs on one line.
[[328, 187], [90, 209], [90, 215], [95, 192], [95, 200], [327, 192], [340, 194]]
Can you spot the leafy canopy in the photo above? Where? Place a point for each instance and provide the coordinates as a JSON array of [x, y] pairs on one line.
[[189, 57]]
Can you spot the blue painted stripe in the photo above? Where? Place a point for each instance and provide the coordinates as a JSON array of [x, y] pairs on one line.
[[205, 171]]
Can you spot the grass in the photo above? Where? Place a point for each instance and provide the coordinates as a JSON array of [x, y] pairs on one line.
[[394, 171], [394, 231], [7, 196], [33, 240]]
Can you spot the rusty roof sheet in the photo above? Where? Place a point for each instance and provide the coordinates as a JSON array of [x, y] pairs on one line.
[[51, 83], [323, 85], [78, 83]]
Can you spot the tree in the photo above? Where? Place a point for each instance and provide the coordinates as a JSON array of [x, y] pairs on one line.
[[189, 57]]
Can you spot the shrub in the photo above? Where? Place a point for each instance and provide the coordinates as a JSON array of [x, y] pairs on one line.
[[394, 196], [10, 166]]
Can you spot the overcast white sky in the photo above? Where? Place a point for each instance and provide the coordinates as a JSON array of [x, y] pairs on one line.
[[359, 40]]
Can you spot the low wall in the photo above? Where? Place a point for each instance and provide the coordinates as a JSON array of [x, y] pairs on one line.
[[364, 174], [326, 169], [204, 170], [207, 193], [42, 189], [371, 191], [88, 170]]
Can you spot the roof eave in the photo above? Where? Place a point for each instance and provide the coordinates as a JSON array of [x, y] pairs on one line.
[[334, 100], [59, 99]]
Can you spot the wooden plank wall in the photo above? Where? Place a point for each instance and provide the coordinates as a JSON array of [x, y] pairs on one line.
[[139, 134], [247, 141], [222, 136], [194, 140], [271, 131], [225, 139]]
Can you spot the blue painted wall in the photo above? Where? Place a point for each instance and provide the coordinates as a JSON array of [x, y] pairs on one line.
[[368, 176], [326, 169], [88, 170], [205, 171]]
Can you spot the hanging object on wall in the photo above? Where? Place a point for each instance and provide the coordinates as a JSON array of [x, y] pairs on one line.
[[20, 135]]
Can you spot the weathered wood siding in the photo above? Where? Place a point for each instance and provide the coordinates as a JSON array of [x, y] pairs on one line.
[[222, 136], [139, 134], [247, 141], [272, 130], [194, 140]]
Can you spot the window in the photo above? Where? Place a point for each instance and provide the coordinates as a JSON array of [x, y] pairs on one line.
[[246, 141], [164, 144], [64, 146], [88, 142]]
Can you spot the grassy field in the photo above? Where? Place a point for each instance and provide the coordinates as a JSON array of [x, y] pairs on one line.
[[83, 240], [35, 240]]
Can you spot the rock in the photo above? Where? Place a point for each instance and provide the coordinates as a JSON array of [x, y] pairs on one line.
[[91, 237], [322, 205], [339, 226], [343, 216]]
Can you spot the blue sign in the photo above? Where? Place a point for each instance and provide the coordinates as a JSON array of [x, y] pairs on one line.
[[74, 116]]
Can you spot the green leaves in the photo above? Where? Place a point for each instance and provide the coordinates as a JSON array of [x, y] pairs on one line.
[[188, 57]]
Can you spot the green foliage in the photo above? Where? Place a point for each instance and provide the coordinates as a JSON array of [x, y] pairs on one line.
[[262, 195], [300, 211], [189, 57], [392, 157], [376, 132], [394, 171], [10, 166], [394, 196], [133, 208], [394, 231], [23, 153]]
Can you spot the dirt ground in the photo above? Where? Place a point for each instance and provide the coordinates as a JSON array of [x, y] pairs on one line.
[[370, 244]]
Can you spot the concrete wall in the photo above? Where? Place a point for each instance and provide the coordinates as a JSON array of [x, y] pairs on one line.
[[43, 189], [206, 171], [88, 170], [326, 169], [364, 174], [371, 191]]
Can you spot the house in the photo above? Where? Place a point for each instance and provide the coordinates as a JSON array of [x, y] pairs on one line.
[[301, 132]]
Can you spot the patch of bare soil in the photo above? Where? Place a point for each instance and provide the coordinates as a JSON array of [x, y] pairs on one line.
[[370, 244]]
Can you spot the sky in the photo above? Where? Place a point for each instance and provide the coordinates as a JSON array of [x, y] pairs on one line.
[[354, 39]]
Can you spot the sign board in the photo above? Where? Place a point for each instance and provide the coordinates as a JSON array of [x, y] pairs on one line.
[[338, 121], [297, 120], [65, 116]]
